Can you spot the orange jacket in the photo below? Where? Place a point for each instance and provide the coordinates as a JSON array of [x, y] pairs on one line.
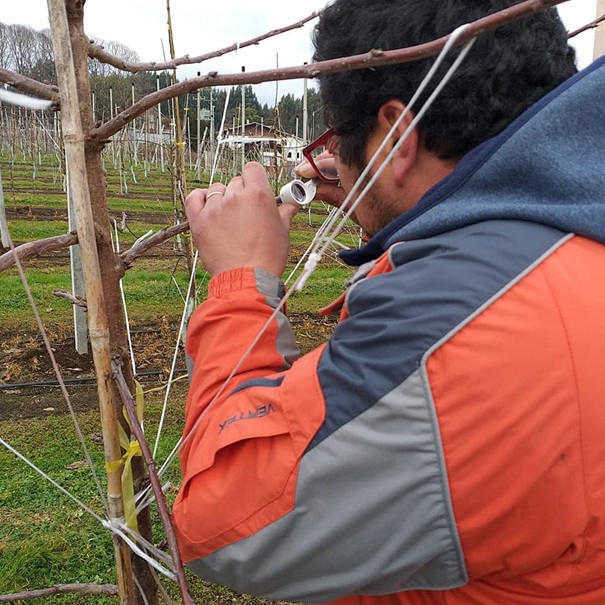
[[446, 446]]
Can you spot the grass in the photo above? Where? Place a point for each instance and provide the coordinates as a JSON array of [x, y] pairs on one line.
[[45, 538], [26, 231], [148, 293], [115, 204], [29, 230]]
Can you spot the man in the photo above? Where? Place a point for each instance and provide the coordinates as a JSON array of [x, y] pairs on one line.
[[446, 446]]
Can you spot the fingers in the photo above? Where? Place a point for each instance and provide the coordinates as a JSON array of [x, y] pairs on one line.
[[215, 193], [195, 203], [250, 188], [236, 184], [324, 161], [287, 212], [331, 194], [254, 179], [198, 199], [254, 174], [305, 171]]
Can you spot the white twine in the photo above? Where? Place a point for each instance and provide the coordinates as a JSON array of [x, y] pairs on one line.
[[325, 240], [186, 309], [15, 98], [115, 527]]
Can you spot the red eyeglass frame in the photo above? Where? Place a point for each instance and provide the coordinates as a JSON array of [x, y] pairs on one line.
[[320, 141]]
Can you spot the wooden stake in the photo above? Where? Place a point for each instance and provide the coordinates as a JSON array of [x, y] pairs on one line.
[[599, 36], [5, 239], [73, 137], [77, 280]]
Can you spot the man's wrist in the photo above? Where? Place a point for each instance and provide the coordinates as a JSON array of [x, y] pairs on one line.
[[242, 278]]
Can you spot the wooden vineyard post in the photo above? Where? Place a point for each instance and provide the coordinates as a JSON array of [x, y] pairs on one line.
[[599, 36], [73, 137]]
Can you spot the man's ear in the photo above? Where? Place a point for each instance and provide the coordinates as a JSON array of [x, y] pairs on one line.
[[404, 159]]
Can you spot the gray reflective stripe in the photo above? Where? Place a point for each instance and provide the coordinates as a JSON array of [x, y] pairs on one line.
[[286, 342], [373, 514], [259, 382], [273, 289], [270, 286], [190, 365]]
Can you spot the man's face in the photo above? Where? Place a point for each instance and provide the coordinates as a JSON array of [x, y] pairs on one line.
[[376, 209]]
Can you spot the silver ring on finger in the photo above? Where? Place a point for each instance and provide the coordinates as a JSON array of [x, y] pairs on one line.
[[209, 195]]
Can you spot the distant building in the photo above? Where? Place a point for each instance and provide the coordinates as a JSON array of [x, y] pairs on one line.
[[277, 150]]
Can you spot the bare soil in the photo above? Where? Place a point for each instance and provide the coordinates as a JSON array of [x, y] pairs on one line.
[[28, 384]]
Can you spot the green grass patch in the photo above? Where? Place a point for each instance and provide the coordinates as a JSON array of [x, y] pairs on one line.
[[324, 286], [14, 301], [26, 231], [59, 201], [148, 293], [46, 538]]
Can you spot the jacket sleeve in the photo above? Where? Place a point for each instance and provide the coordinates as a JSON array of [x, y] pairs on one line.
[[304, 482], [242, 438]]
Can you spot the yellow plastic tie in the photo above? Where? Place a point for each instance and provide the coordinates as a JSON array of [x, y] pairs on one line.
[[131, 449]]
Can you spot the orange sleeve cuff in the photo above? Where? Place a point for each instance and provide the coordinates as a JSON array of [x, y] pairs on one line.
[[246, 278], [233, 280]]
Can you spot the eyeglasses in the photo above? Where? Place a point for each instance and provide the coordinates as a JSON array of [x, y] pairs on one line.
[[324, 142]]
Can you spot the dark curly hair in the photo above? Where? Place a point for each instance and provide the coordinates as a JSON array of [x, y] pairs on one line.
[[505, 72]]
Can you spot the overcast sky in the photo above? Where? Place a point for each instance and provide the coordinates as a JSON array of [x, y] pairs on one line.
[[202, 26]]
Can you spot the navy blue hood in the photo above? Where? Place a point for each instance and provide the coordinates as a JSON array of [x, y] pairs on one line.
[[547, 167]]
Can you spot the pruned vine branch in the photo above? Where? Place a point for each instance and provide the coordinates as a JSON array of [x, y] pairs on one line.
[[96, 51], [79, 301], [60, 242], [145, 245], [374, 58], [92, 589], [592, 25], [37, 248], [30, 86]]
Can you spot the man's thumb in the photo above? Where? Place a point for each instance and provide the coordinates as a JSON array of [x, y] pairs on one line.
[[287, 213]]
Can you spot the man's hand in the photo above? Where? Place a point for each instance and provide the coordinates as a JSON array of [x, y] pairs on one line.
[[240, 225]]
